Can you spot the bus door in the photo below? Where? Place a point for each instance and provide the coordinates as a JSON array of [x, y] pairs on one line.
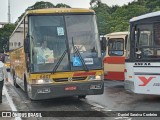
[[115, 59]]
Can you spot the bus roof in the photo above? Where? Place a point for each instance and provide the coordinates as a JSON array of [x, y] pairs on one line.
[[59, 10], [117, 33], [148, 15]]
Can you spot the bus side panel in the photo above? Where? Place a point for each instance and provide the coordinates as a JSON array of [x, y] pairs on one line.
[[114, 68], [129, 77], [12, 61], [147, 82], [18, 65]]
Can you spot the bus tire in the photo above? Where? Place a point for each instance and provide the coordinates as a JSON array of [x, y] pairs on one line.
[[81, 96], [25, 86], [14, 81]]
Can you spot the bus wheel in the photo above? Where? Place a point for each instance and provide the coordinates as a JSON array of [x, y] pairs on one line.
[[14, 81], [25, 86], [81, 96], [26, 89]]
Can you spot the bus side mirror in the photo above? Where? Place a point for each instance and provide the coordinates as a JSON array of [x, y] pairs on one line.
[[103, 44], [26, 45]]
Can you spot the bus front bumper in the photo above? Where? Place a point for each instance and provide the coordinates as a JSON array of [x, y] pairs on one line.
[[39, 92]]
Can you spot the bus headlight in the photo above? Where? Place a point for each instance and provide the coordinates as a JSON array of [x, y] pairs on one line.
[[6, 65], [97, 77], [42, 81]]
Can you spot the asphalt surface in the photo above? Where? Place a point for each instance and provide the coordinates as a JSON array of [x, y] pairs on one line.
[[115, 98]]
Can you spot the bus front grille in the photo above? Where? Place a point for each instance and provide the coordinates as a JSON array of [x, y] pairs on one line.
[[70, 79]]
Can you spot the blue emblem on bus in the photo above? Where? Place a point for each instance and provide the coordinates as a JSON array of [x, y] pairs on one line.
[[76, 61]]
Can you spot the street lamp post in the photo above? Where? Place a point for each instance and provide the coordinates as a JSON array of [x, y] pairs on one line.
[[9, 12]]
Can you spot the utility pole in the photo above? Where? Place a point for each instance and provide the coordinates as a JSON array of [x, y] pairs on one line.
[[9, 12]]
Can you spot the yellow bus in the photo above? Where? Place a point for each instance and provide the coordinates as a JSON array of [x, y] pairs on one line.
[[72, 63]]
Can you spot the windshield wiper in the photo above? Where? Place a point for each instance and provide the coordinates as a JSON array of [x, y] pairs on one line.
[[75, 49], [59, 61]]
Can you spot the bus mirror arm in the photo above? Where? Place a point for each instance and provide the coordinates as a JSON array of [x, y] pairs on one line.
[[28, 64], [26, 45], [103, 44], [27, 51]]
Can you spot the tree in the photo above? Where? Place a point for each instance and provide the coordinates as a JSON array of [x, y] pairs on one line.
[[97, 2], [103, 12], [61, 5], [116, 18], [42, 5], [5, 33]]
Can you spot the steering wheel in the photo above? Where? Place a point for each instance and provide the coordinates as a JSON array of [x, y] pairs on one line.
[[147, 52]]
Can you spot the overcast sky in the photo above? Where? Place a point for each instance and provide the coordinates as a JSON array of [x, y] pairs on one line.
[[19, 6]]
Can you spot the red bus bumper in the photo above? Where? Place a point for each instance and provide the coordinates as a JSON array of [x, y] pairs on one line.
[[114, 76]]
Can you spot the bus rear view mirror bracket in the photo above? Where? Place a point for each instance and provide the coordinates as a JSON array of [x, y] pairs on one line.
[[26, 45], [103, 43]]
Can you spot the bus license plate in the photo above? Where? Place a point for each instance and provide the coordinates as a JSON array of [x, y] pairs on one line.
[[70, 88]]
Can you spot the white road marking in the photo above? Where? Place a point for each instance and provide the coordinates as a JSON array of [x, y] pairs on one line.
[[10, 102], [123, 118], [98, 107]]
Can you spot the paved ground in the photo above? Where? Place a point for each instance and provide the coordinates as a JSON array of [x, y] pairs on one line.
[[115, 98], [5, 106]]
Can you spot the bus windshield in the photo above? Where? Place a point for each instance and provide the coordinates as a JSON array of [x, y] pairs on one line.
[[116, 47], [83, 34], [53, 39], [147, 41]]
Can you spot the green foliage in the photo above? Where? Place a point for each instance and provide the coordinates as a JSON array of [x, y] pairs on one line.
[[61, 5], [116, 18], [96, 2], [42, 5], [5, 33]]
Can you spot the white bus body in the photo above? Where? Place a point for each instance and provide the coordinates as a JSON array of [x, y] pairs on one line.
[[142, 65]]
